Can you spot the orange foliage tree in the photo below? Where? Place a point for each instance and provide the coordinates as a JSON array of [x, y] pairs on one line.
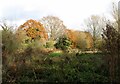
[[71, 35], [79, 38], [34, 29]]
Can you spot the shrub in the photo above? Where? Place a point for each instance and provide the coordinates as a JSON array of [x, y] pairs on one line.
[[63, 43], [99, 44], [50, 44], [11, 42]]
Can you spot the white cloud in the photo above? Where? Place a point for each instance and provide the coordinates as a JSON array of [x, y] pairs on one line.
[[72, 12]]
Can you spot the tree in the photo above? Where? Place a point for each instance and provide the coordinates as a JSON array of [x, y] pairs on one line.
[[11, 42], [4, 25], [63, 43], [111, 36], [72, 35], [111, 48], [115, 15], [34, 29], [79, 39], [95, 24], [114, 12], [81, 44], [54, 26]]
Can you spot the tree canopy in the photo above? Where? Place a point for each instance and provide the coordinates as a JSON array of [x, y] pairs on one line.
[[54, 26], [34, 29]]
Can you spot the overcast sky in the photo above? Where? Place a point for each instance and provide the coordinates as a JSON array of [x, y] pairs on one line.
[[71, 12]]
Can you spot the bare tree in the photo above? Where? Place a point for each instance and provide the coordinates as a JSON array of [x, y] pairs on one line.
[[115, 14], [54, 26], [95, 24]]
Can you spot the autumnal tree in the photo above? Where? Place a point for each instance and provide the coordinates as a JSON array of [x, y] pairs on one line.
[[72, 36], [79, 39], [54, 26], [34, 29], [89, 39]]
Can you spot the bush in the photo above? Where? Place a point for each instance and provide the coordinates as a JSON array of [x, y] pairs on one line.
[[11, 42], [34, 66], [99, 44], [63, 43], [50, 44]]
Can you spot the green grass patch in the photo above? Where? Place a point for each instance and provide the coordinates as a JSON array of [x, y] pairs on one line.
[[55, 54]]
